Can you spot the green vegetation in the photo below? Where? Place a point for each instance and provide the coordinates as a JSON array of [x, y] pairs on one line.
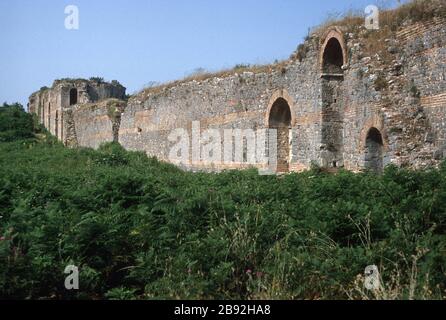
[[414, 92], [15, 123], [241, 67], [301, 52], [97, 79], [141, 229]]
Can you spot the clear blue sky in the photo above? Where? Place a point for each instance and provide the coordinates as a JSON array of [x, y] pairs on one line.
[[138, 41]]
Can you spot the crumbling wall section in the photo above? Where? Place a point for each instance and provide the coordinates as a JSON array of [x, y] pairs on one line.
[[349, 108], [59, 109], [97, 123], [399, 92]]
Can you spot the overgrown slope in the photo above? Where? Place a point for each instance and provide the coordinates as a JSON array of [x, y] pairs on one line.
[[138, 228]]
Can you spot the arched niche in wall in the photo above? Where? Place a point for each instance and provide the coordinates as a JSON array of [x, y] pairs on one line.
[[374, 151], [373, 144], [280, 117]]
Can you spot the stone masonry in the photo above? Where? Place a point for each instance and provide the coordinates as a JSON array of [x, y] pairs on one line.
[[331, 103], [80, 112]]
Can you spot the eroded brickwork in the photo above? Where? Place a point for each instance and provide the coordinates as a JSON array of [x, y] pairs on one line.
[[335, 106], [76, 111]]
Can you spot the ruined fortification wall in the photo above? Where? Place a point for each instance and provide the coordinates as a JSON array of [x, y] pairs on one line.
[[239, 101], [334, 103], [98, 123], [69, 110], [332, 116], [46, 104], [424, 62]]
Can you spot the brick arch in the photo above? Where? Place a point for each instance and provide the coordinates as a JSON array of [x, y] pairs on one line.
[[281, 94], [281, 119], [332, 33], [376, 122]]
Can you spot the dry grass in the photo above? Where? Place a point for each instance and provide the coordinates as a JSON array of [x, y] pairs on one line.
[[111, 103], [399, 285], [349, 21], [414, 11], [205, 75], [390, 21]]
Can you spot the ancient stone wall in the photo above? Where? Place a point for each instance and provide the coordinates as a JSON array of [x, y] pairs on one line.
[[69, 112], [98, 123], [237, 101], [424, 65], [332, 104]]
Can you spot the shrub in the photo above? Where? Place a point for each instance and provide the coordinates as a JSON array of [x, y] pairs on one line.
[[111, 154], [415, 93], [381, 83], [141, 229], [15, 123]]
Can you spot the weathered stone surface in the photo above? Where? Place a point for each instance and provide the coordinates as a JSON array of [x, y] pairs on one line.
[[70, 110], [347, 109]]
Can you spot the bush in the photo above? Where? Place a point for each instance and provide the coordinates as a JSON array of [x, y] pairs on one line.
[[111, 154], [141, 229], [15, 123], [97, 79]]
